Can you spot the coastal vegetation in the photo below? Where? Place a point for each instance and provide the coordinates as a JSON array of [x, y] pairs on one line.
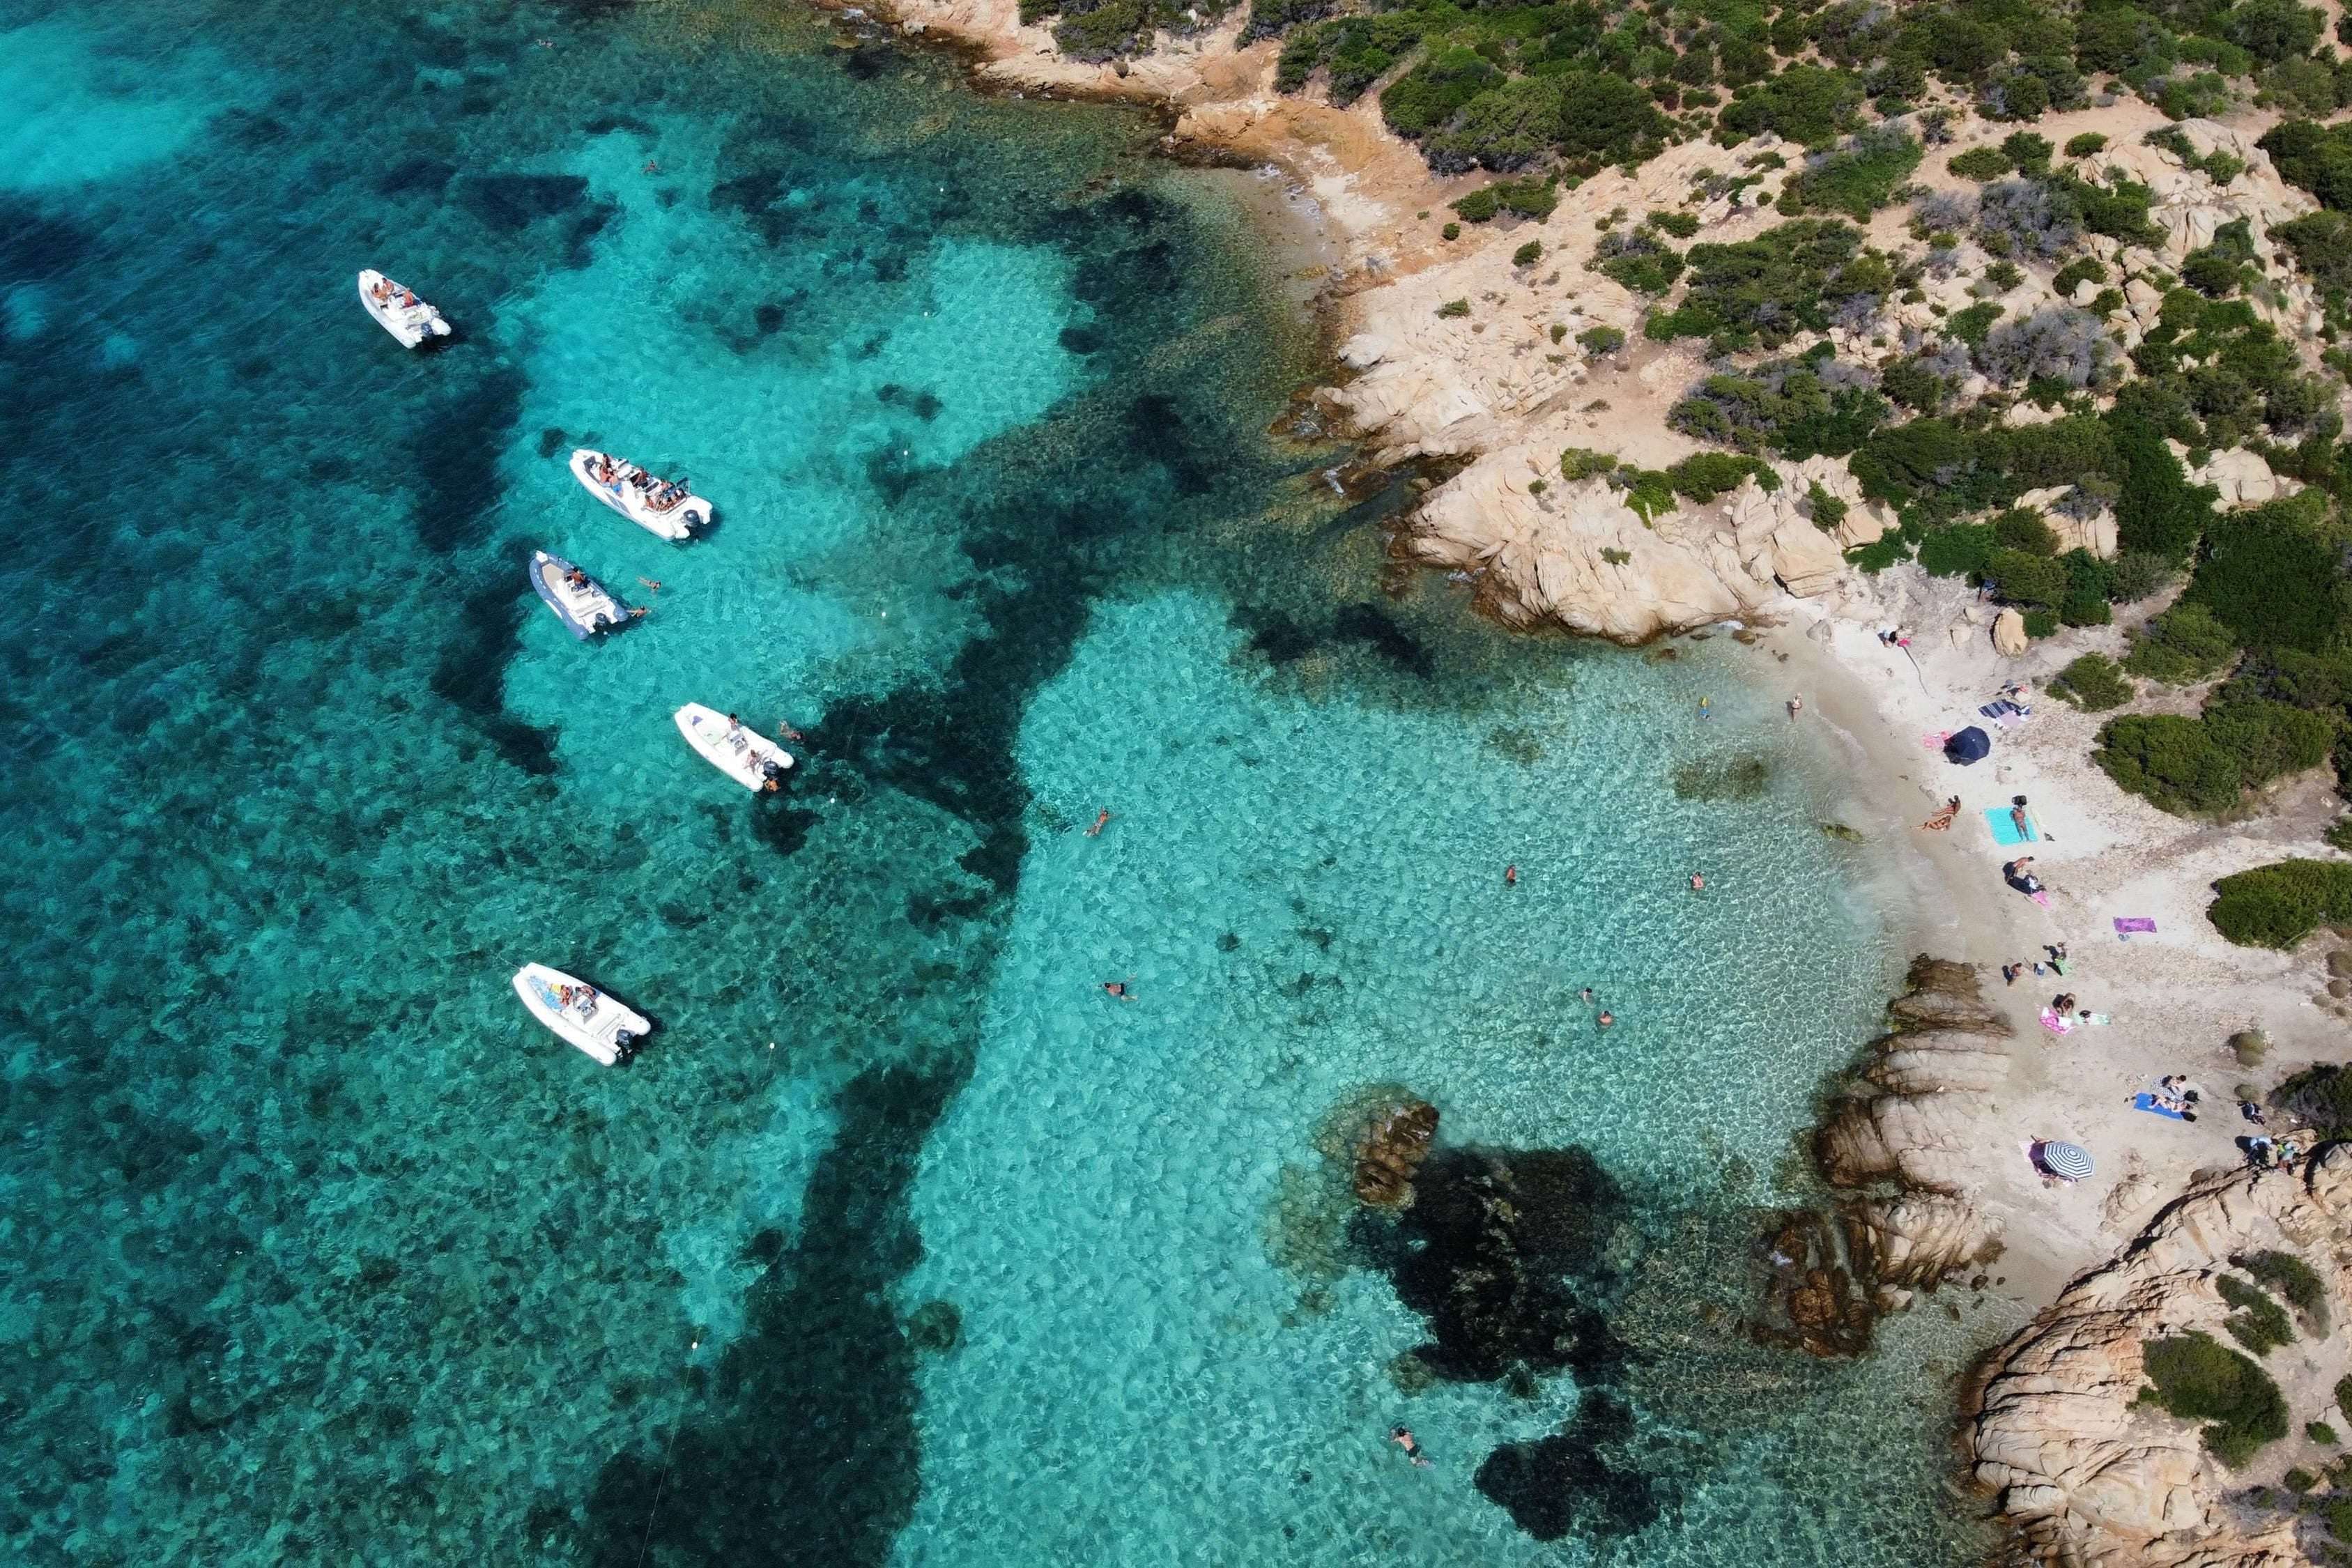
[[2197, 1378]]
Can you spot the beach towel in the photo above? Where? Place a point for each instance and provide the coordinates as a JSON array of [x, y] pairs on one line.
[[2039, 897], [2096, 1020], [2125, 926], [1934, 739], [2148, 1102], [2056, 1024], [2004, 831]]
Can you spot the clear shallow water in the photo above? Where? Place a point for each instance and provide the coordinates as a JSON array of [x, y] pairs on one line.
[[316, 1251]]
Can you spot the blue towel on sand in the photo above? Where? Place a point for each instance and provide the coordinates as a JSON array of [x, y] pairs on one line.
[[2148, 1102], [2004, 831]]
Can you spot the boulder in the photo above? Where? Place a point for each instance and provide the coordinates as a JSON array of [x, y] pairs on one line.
[[1393, 1146], [2242, 477], [1364, 350], [2008, 638]]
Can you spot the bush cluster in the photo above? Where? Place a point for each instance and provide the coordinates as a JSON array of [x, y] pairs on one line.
[[2293, 1279], [2094, 683], [2277, 906], [1760, 292], [2257, 1323], [2204, 765], [2196, 1378]]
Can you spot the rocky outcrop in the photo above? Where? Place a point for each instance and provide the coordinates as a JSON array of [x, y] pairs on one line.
[[2083, 1474], [1897, 1136], [1394, 1143]]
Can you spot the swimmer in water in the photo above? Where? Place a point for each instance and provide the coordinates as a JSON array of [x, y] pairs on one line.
[[1102, 820], [1403, 1438], [650, 584], [1698, 883], [1606, 1018], [1119, 988], [1510, 876], [1588, 993]]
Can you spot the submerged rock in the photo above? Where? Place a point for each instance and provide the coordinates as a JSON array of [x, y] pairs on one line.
[[1393, 1148], [1564, 1482], [935, 1326], [1489, 1255]]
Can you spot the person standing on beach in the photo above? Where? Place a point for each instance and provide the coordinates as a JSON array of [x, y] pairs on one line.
[[1796, 706]]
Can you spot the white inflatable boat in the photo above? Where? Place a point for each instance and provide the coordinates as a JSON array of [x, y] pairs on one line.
[[582, 1014], [652, 504], [399, 312], [578, 601], [751, 760]]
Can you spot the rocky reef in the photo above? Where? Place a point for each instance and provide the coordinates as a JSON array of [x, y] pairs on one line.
[[1893, 1135], [1394, 1143], [2088, 1473]]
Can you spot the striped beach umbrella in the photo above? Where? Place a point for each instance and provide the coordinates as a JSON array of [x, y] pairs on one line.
[[2071, 1161]]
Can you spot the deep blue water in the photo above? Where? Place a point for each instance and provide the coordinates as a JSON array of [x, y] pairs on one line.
[[317, 1251]]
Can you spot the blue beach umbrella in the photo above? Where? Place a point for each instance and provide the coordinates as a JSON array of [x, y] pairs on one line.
[[2071, 1161]]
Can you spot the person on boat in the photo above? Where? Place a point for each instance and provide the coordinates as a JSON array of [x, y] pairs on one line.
[[576, 577], [382, 292], [733, 724]]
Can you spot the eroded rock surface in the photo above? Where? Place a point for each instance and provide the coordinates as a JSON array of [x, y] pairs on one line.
[[2083, 1474]]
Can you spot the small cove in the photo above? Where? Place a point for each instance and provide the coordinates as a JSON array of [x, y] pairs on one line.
[[325, 1255]]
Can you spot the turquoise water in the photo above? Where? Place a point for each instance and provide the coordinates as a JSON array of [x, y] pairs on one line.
[[317, 1251]]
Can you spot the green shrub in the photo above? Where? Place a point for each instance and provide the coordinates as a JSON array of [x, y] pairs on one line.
[[2338, 1514], [2258, 1322], [2198, 1378], [2082, 146], [1114, 27], [1765, 291], [2318, 158], [1615, 557], [1826, 511], [1528, 254], [1583, 463], [2041, 623], [1982, 164], [1858, 178], [2093, 683], [2022, 528], [2321, 1432], [2294, 1281], [1451, 231], [1638, 260], [2270, 575], [1531, 197], [1879, 554], [1704, 476], [1600, 341], [1969, 326], [2082, 270], [1681, 225], [2185, 644], [2278, 905], [2299, 1482], [1433, 92], [2203, 764], [1804, 103], [2019, 578], [2344, 1394], [1453, 308], [2137, 574], [1958, 549]]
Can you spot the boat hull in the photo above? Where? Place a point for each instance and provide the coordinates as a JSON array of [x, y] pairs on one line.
[[676, 523], [585, 612], [595, 1025], [413, 326], [743, 755]]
